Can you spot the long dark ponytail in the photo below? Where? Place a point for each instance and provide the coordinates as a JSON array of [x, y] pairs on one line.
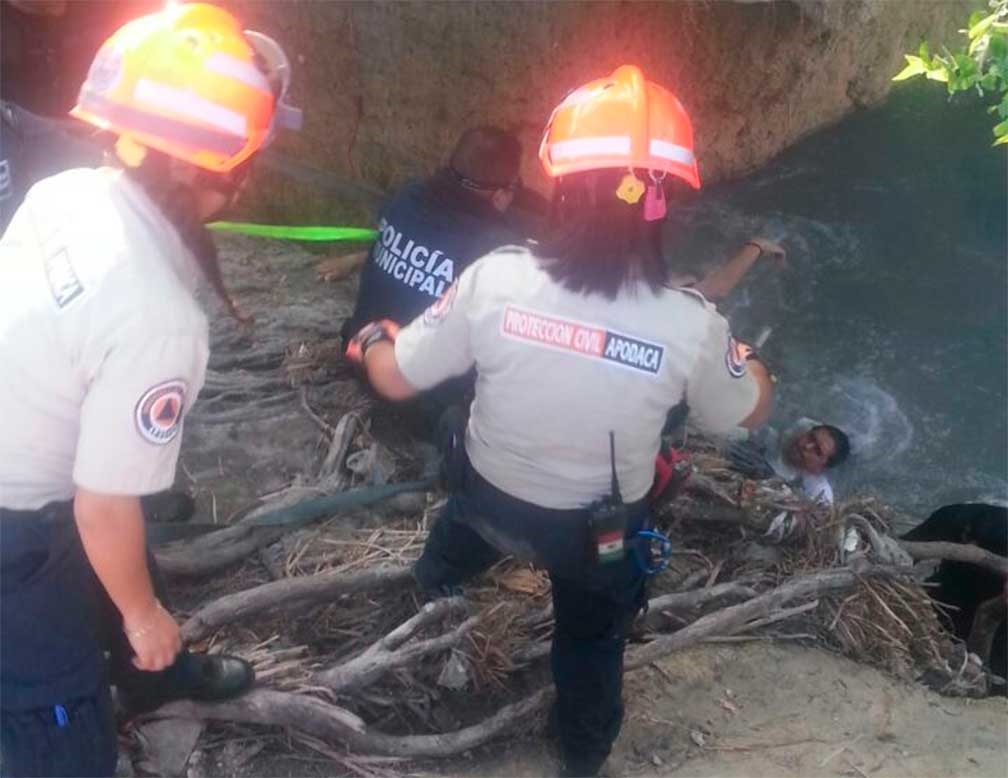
[[598, 244], [177, 204]]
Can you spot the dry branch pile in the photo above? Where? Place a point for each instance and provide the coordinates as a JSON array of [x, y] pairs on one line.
[[349, 654], [355, 664]]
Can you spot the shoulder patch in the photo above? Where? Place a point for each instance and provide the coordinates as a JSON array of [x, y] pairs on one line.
[[158, 414], [64, 284], [440, 308], [735, 358]]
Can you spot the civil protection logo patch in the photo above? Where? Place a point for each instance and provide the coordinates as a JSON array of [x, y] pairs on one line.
[[159, 412], [440, 307], [735, 358]]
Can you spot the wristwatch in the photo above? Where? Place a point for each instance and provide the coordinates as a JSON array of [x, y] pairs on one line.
[[375, 334]]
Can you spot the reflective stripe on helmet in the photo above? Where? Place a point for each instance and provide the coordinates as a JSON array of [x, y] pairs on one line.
[[226, 65], [672, 151], [192, 106], [583, 147], [132, 119]]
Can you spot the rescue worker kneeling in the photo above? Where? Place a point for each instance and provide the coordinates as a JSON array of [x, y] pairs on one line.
[[577, 343], [105, 349], [429, 232]]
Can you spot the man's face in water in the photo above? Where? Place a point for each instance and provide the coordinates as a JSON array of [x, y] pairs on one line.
[[810, 451]]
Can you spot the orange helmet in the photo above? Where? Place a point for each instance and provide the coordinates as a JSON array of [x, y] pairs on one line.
[[187, 81], [622, 121]]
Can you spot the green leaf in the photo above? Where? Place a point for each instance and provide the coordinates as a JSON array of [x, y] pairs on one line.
[[982, 26], [922, 51], [975, 18], [915, 67], [938, 74], [1001, 140], [1000, 130], [997, 47], [989, 82], [966, 66]]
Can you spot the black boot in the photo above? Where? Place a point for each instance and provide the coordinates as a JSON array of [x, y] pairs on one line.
[[203, 677]]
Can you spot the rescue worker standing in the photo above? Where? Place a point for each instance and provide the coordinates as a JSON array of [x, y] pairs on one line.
[[580, 348], [105, 350]]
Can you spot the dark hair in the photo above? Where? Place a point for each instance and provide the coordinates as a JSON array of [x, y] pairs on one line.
[[486, 158], [597, 243], [178, 205], [840, 440]]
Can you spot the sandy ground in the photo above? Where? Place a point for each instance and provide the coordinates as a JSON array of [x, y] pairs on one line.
[[746, 710], [764, 709]]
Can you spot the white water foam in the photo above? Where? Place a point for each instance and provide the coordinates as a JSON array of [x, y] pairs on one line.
[[878, 428]]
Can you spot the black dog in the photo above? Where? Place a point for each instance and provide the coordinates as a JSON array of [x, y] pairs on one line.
[[964, 586]]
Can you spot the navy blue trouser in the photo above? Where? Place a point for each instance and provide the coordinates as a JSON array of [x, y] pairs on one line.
[[593, 605], [56, 622]]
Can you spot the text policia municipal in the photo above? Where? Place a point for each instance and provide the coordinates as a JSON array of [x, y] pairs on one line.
[[412, 263]]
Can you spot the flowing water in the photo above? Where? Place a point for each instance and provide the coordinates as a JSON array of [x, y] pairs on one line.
[[892, 319]]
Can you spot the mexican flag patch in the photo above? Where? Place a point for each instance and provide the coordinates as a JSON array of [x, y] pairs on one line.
[[610, 547]]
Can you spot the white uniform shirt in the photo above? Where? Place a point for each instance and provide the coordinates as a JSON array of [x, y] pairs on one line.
[[103, 346], [556, 371]]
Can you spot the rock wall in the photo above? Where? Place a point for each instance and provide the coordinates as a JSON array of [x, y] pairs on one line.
[[388, 86]]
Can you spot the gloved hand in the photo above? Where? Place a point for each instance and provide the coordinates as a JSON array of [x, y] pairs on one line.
[[749, 459], [384, 329]]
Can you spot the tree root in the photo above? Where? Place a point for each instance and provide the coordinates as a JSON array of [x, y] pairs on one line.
[[334, 724], [391, 653], [957, 552], [736, 618], [290, 591], [265, 525], [690, 600]]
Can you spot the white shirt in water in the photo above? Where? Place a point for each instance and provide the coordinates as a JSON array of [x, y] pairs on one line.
[[557, 370], [815, 487], [104, 347]]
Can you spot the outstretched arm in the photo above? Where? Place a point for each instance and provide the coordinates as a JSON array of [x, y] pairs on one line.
[[720, 282]]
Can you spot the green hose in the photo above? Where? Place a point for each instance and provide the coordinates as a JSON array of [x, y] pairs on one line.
[[283, 232]]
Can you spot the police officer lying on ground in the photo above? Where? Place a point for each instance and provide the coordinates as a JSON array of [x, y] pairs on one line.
[[578, 345], [434, 229], [105, 349]]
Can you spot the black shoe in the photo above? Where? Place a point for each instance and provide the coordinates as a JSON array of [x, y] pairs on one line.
[[219, 677], [202, 677]]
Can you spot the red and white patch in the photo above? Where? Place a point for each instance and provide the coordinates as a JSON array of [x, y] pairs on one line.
[[582, 339], [159, 413], [735, 358], [553, 331], [440, 307]]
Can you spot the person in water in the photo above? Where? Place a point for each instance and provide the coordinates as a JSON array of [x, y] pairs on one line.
[[801, 456]]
